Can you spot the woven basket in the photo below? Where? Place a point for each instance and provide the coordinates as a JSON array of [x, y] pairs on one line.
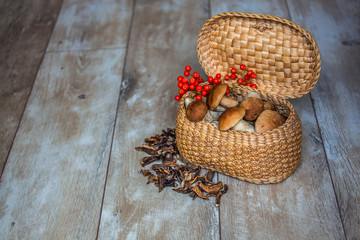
[[287, 62]]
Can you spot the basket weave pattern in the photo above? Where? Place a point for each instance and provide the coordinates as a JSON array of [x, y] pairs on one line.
[[264, 158], [284, 55], [287, 62]]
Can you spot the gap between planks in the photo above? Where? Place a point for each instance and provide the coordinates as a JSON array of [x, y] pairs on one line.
[[85, 50], [327, 164], [32, 85], [322, 141], [116, 115]]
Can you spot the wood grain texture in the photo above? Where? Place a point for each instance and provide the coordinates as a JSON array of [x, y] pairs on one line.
[[336, 27], [267, 7], [25, 28], [91, 24], [54, 179], [162, 42], [303, 206]]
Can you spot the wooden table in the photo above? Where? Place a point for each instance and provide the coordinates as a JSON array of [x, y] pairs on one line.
[[84, 82]]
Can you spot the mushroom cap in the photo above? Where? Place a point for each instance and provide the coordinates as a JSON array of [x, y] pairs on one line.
[[188, 101], [196, 111], [215, 95], [268, 120], [269, 106], [230, 117], [253, 107]]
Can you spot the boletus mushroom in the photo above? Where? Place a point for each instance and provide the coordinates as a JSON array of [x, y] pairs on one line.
[[196, 111], [217, 96], [188, 101], [243, 125], [268, 120], [253, 107], [269, 106], [230, 117]]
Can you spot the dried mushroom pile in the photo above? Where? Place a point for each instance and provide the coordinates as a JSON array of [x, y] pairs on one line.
[[182, 178], [252, 114]]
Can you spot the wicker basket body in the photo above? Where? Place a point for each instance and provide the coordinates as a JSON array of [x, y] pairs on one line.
[[286, 60]]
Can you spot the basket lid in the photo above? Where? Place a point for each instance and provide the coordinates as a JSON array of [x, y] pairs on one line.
[[284, 55]]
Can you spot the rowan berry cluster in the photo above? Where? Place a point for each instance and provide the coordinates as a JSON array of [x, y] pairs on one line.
[[193, 83], [247, 75], [186, 84]]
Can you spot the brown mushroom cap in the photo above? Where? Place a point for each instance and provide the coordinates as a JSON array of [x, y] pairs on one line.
[[230, 117], [215, 95], [269, 106], [253, 107], [268, 120], [196, 111]]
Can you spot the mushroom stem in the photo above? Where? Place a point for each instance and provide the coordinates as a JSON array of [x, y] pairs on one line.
[[243, 125], [228, 102]]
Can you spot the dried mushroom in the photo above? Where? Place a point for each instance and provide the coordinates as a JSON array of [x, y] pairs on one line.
[[147, 160], [211, 188], [182, 178]]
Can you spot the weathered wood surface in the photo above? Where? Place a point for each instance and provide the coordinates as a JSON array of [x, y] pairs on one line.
[[63, 144], [25, 29], [53, 183], [73, 173], [302, 207], [132, 209], [91, 24], [336, 27]]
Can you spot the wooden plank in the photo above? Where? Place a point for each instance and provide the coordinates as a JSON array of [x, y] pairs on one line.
[[336, 28], [91, 24], [25, 28], [303, 206], [162, 42], [268, 7], [58, 162]]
